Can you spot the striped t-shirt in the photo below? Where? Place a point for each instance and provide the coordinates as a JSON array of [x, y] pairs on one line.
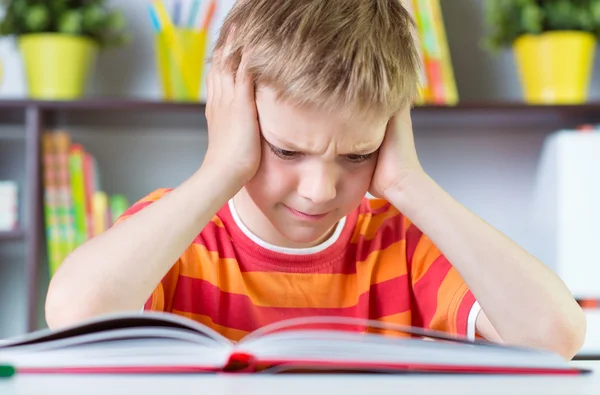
[[376, 265]]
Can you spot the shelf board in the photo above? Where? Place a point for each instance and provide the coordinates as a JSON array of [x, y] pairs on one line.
[[475, 115], [103, 103], [11, 235], [133, 103]]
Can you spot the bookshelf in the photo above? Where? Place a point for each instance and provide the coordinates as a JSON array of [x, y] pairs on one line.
[[30, 118], [12, 235]]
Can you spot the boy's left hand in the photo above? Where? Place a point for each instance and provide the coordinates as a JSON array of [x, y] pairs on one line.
[[397, 155]]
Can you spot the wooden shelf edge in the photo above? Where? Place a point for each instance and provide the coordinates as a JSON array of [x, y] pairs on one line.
[[12, 235], [139, 103]]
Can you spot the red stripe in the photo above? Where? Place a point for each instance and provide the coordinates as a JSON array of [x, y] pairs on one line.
[[237, 311], [136, 208], [462, 316], [215, 238], [413, 236], [390, 232], [426, 291]]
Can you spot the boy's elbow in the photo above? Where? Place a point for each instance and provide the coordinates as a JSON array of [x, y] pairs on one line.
[[63, 307], [58, 311], [566, 334]]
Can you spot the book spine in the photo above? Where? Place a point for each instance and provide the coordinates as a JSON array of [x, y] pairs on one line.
[[423, 98], [431, 53], [448, 78], [90, 189], [118, 205], [62, 142], [51, 201], [100, 209], [76, 159]]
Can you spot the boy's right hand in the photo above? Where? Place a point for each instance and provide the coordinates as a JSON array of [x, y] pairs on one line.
[[234, 147]]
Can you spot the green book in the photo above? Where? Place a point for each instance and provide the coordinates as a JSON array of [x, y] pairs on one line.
[[76, 155]]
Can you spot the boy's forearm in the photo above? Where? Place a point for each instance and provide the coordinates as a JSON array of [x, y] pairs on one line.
[[118, 270], [524, 300]]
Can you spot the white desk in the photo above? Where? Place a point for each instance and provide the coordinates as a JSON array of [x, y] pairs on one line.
[[303, 384]]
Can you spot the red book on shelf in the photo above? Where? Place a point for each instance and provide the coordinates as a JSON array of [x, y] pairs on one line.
[[166, 343]]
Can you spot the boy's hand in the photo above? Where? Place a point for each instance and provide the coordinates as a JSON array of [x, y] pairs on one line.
[[233, 132], [397, 155]]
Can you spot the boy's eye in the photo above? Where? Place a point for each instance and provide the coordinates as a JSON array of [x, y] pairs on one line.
[[359, 158], [284, 154]]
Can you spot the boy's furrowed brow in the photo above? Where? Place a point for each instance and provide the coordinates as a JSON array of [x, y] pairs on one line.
[[279, 143], [365, 148]]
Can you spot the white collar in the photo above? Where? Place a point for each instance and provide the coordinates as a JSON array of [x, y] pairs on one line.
[[286, 250]]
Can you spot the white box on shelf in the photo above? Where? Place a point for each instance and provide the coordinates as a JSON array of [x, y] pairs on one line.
[[566, 210], [591, 346], [9, 203]]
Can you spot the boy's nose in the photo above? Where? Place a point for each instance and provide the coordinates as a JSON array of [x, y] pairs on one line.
[[319, 186]]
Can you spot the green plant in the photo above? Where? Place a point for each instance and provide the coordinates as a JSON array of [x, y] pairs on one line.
[[506, 20], [91, 18]]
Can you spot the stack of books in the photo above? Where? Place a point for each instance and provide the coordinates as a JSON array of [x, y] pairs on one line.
[[438, 84], [75, 207]]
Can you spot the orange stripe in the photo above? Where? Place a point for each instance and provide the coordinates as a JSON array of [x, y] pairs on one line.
[[450, 294], [368, 224], [232, 334], [158, 298], [155, 195], [377, 203], [398, 319], [425, 254], [279, 289], [217, 221]]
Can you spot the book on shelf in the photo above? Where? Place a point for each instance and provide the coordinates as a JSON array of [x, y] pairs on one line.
[[155, 342], [437, 80], [9, 206], [76, 208]]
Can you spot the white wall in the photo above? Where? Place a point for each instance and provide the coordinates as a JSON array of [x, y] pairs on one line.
[[491, 171]]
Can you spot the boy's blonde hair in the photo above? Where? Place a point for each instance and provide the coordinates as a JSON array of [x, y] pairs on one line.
[[340, 55]]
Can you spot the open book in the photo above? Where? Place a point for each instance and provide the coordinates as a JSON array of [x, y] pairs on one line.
[[166, 343]]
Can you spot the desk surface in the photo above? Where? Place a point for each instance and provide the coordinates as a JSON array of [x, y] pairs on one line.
[[303, 384]]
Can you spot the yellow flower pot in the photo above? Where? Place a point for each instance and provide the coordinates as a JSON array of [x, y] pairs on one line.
[[555, 67], [57, 66]]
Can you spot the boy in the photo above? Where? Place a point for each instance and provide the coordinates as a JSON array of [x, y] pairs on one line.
[[308, 110]]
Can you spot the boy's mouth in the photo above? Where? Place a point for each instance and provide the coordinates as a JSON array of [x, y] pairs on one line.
[[303, 215]]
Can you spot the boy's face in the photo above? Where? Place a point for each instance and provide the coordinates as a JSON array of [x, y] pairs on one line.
[[315, 168]]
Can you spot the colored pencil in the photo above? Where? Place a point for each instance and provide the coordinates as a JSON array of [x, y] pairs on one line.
[[193, 14], [169, 31], [210, 12], [153, 19], [176, 12]]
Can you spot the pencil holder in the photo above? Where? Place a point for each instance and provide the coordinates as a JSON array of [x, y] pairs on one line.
[[180, 55]]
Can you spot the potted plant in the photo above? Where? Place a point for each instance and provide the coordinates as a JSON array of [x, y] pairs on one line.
[[59, 41], [554, 43]]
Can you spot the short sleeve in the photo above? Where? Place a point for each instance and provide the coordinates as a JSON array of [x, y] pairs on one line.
[[142, 203], [441, 300], [161, 298]]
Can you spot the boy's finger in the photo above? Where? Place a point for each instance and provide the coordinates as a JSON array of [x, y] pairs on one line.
[[227, 85], [244, 82], [216, 81]]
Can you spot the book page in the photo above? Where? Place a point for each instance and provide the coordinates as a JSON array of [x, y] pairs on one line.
[[351, 324], [110, 323], [373, 349], [370, 341], [143, 354]]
